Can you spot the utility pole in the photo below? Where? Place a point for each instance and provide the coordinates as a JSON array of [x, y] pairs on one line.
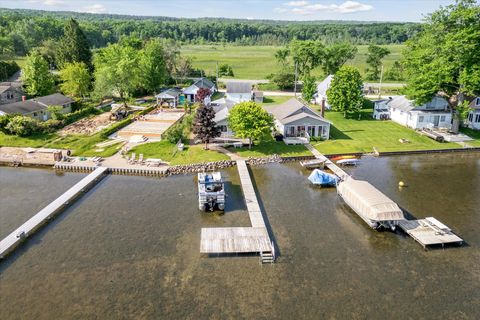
[[217, 77], [380, 86], [295, 84]]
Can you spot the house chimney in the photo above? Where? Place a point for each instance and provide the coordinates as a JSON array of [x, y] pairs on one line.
[[323, 108], [24, 98]]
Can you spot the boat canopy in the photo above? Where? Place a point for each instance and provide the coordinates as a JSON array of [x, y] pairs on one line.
[[368, 201]]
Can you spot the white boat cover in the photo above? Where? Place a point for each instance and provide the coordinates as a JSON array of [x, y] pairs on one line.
[[368, 201]]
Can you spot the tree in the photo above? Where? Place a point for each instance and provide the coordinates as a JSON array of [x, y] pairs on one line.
[[49, 52], [395, 73], [73, 46], [336, 55], [117, 71], [250, 120], [281, 56], [374, 60], [55, 112], [284, 79], [306, 54], [76, 80], [225, 70], [183, 67], [154, 71], [309, 88], [36, 76], [345, 92], [444, 58], [22, 126], [201, 95], [205, 127]]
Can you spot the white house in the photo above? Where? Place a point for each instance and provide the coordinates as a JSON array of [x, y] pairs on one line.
[[38, 108], [321, 93], [169, 98], [433, 114], [221, 115], [295, 119], [191, 91], [473, 119]]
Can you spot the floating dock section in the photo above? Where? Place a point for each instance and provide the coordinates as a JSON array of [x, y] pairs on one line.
[[10, 242], [254, 239]]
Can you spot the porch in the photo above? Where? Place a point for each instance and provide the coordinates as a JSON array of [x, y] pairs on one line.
[[306, 131]]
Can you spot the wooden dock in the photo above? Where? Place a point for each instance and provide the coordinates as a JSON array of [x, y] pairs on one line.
[[10, 242], [254, 239], [429, 232], [328, 163]]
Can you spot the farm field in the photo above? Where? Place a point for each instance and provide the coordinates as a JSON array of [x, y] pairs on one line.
[[257, 62]]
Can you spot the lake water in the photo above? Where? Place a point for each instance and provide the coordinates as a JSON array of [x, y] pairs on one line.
[[129, 248]]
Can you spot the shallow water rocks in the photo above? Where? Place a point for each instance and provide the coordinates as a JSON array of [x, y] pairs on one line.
[[259, 161], [199, 167]]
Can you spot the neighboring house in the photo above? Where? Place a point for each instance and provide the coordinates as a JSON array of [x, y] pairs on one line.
[[10, 92], [294, 119], [191, 91], [380, 110], [38, 108], [221, 116], [434, 114], [321, 93], [473, 119], [169, 98]]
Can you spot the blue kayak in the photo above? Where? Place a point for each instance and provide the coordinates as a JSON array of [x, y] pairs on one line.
[[322, 178]]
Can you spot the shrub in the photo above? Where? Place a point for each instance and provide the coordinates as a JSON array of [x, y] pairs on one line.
[[7, 69], [22, 126], [284, 80], [50, 125]]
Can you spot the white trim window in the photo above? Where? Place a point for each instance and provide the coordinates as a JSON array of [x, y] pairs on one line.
[[420, 118], [477, 102], [442, 118], [477, 117]]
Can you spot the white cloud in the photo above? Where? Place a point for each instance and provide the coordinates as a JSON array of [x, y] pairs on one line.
[[53, 2], [96, 8], [296, 3], [304, 8]]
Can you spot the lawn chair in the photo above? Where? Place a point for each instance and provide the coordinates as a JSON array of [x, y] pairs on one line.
[[140, 159], [132, 158]]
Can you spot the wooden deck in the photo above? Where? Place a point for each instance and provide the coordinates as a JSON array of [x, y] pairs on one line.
[[254, 239], [329, 164], [429, 234], [10, 242], [235, 240]]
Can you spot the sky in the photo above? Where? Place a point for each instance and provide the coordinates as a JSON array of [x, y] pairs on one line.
[[363, 10]]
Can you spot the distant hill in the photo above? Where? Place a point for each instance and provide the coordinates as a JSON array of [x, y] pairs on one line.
[[24, 29]]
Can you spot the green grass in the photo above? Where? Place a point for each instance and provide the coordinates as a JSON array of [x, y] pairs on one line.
[[271, 100], [350, 135], [82, 145], [264, 149], [35, 141], [167, 151], [256, 62], [474, 134]]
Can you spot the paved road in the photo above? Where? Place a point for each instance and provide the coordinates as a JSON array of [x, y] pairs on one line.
[[255, 81]]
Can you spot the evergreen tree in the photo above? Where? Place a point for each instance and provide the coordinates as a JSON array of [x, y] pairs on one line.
[[36, 76], [73, 46], [205, 128]]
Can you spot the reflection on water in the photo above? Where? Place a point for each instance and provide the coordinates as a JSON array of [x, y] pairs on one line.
[[130, 249]]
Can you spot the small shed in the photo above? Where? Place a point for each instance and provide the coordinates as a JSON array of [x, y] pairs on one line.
[[169, 98]]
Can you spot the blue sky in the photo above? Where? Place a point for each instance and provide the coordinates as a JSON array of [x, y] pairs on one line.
[[366, 10]]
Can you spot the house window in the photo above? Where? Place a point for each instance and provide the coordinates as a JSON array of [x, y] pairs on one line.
[[477, 102], [442, 118], [470, 117], [477, 118], [420, 119], [35, 114], [223, 128]]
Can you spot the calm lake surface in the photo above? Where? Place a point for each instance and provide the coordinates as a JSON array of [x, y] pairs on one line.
[[129, 248]]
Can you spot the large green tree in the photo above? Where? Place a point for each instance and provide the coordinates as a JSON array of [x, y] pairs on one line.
[[345, 92], [36, 76], [76, 79], [307, 55], [117, 71], [375, 55], [154, 71], [336, 55], [250, 120], [309, 87], [73, 46], [445, 57]]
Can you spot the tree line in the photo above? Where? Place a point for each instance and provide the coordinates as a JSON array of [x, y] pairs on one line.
[[22, 30]]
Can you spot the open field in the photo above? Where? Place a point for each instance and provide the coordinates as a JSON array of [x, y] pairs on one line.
[[350, 135], [256, 62]]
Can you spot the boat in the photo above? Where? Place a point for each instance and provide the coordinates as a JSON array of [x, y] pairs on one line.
[[322, 178], [211, 191], [348, 162], [312, 164], [375, 208], [343, 158]]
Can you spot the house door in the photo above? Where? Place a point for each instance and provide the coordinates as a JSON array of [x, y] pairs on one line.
[[436, 120], [291, 131], [301, 131], [311, 131]]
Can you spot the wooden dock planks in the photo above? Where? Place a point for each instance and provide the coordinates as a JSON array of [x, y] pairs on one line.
[[10, 242], [427, 234]]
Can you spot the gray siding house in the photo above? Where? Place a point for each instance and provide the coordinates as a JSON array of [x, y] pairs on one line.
[[10, 92], [38, 108]]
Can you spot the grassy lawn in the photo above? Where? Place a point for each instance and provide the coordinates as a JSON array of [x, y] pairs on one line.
[[167, 151], [272, 100], [268, 148], [474, 134], [256, 62], [35, 141], [82, 145], [349, 135]]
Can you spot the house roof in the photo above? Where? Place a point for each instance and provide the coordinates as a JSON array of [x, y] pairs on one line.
[[4, 86], [293, 110], [200, 83], [475, 104], [221, 115], [55, 99], [169, 93], [239, 87], [22, 107], [324, 85], [403, 104]]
